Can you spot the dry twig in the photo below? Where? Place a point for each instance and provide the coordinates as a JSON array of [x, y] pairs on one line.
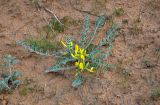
[[50, 12]]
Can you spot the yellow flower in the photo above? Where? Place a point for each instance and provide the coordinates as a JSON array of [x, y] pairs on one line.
[[81, 51], [74, 56], [76, 48], [82, 57], [91, 69], [63, 44], [76, 64], [81, 66], [79, 54]]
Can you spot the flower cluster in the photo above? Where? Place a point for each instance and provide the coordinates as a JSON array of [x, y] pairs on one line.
[[80, 55]]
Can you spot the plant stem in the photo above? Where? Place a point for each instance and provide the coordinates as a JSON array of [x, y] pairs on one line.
[[92, 38]]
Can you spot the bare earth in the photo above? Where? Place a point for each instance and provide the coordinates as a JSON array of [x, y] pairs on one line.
[[136, 53]]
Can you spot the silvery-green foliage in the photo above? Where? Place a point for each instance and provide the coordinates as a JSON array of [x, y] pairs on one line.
[[9, 81], [100, 21], [97, 54], [57, 68], [64, 60], [78, 80], [8, 78], [9, 60], [69, 45], [110, 35], [85, 31], [98, 24], [33, 48]]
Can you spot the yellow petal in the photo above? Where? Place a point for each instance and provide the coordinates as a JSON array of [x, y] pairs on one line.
[[91, 70], [77, 55], [84, 53], [81, 65], [81, 51], [76, 64], [74, 56], [76, 48], [82, 57], [63, 44]]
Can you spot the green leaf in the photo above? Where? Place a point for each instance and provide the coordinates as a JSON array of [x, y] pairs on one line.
[[16, 83], [69, 46], [85, 30], [57, 68], [9, 60], [39, 50], [110, 34], [10, 81], [100, 21], [3, 85], [16, 74], [78, 80], [66, 60], [105, 55]]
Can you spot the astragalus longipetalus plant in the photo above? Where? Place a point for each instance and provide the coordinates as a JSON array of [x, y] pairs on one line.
[[82, 55]]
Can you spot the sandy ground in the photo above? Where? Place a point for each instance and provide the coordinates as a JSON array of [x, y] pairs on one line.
[[136, 53]]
